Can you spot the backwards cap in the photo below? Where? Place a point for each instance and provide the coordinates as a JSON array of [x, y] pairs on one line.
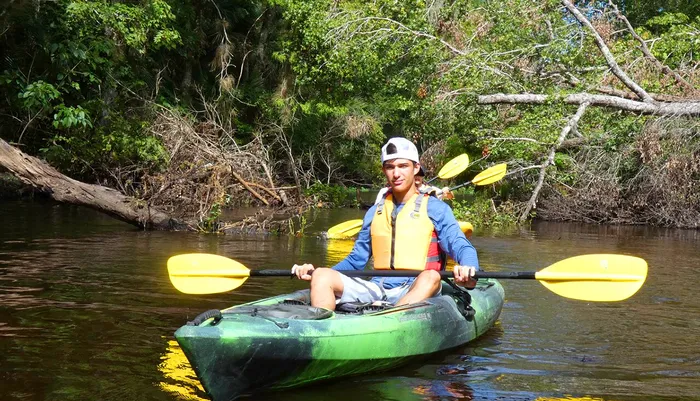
[[405, 149]]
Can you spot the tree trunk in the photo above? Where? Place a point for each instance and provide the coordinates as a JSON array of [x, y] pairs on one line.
[[47, 179]]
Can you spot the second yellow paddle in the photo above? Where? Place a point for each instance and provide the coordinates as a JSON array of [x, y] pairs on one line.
[[486, 177], [452, 168], [346, 229]]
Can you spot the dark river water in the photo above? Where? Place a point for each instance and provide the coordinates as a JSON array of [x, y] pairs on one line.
[[87, 313]]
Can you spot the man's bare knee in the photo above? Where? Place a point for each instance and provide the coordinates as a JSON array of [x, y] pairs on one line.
[[431, 277], [325, 277]]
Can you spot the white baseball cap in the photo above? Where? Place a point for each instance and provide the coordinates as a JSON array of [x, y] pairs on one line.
[[405, 149]]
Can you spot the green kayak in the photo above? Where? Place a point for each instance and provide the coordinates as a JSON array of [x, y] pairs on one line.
[[282, 342]]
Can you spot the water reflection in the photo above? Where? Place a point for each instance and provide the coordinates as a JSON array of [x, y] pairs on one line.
[[337, 250], [178, 377]]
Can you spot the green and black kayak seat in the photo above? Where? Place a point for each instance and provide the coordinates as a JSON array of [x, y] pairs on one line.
[[283, 342]]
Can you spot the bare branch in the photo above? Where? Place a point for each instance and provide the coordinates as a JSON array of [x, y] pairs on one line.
[[660, 97], [403, 29], [246, 186], [521, 169], [550, 160], [621, 75], [650, 56], [493, 138]]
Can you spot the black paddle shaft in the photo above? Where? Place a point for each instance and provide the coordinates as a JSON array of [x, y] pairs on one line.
[[460, 186], [401, 273]]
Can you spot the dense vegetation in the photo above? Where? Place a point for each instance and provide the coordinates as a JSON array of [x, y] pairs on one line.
[[189, 105]]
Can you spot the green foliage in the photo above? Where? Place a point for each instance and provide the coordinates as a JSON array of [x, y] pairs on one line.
[[292, 223], [38, 95], [639, 12], [75, 68], [480, 210], [124, 144], [325, 83], [332, 195], [68, 117], [679, 38], [211, 222], [136, 25]]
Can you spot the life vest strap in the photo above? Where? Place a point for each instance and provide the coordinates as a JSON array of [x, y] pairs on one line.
[[380, 205], [416, 210]]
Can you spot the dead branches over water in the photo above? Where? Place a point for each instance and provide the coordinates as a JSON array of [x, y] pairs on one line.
[[652, 181], [657, 194], [208, 170]]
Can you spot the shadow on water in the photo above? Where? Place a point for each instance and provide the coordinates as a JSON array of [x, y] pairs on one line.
[[87, 313]]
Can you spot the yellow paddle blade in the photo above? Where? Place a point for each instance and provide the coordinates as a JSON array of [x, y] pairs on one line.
[[604, 277], [454, 166], [466, 227], [203, 273], [490, 175], [345, 229]]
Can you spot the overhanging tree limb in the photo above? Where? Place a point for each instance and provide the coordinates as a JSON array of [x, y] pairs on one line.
[[614, 67]]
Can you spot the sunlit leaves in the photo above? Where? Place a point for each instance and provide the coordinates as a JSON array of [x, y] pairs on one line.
[[134, 25], [69, 117], [38, 95], [679, 39]]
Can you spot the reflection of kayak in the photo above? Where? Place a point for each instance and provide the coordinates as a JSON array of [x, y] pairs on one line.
[[337, 250], [179, 378], [282, 342]]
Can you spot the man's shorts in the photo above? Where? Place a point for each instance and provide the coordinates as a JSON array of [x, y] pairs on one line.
[[359, 290]]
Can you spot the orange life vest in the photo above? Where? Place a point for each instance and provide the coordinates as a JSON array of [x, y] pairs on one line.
[[404, 240]]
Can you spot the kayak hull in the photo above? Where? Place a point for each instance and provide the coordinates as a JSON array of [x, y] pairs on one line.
[[259, 346]]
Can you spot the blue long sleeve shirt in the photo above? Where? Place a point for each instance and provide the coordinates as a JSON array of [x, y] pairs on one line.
[[450, 237]]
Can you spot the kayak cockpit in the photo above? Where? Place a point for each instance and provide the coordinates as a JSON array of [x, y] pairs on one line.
[[297, 306]]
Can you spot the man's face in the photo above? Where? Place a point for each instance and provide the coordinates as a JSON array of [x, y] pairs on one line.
[[400, 173]]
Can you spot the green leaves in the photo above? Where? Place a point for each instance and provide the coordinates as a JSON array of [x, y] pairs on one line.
[[136, 25], [678, 38], [69, 117], [38, 95]]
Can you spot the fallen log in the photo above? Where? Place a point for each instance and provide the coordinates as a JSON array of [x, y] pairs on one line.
[[62, 188]]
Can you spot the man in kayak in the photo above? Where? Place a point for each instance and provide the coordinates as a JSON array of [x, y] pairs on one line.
[[397, 232]]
